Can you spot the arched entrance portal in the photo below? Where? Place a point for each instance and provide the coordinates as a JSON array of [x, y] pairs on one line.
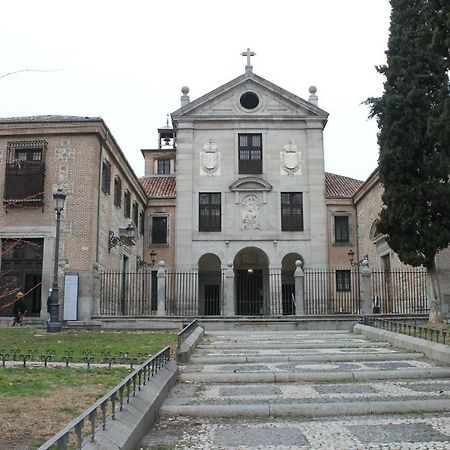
[[251, 269], [288, 282], [209, 284]]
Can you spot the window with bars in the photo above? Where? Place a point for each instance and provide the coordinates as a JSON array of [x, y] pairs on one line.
[[126, 204], [25, 172], [210, 211], [341, 229], [141, 222], [118, 192], [106, 177], [343, 280], [135, 213], [250, 153], [160, 230], [291, 211], [163, 166]]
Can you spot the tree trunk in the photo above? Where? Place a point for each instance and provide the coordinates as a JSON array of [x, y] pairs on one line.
[[434, 295]]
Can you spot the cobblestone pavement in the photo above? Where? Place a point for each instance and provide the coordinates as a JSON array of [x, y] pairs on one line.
[[403, 402]]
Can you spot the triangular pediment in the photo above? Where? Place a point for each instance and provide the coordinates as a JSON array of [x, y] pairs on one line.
[[250, 184], [272, 101]]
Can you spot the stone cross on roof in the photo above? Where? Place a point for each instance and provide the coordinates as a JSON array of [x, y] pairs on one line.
[[248, 54]]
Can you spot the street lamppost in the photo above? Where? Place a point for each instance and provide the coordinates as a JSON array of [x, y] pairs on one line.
[[54, 325]]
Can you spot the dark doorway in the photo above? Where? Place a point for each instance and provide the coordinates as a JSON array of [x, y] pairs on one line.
[[21, 270], [249, 292], [209, 285]]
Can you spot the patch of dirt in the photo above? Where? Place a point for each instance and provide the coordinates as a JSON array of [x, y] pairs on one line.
[[27, 422]]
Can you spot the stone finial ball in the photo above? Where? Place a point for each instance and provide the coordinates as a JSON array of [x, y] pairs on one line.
[[162, 264], [312, 90], [298, 263], [185, 90]]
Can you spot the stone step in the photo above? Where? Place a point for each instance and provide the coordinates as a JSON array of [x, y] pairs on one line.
[[424, 431], [293, 393], [289, 357], [311, 409], [313, 376]]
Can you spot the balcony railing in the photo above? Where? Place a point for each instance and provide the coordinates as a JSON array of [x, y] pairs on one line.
[[24, 182]]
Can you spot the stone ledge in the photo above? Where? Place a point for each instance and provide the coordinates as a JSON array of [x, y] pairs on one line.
[[133, 423], [432, 350], [188, 346]]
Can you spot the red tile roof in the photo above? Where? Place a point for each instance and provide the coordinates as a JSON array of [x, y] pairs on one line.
[[337, 186], [159, 187]]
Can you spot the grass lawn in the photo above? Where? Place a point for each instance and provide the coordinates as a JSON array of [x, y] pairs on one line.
[[97, 342], [35, 403]]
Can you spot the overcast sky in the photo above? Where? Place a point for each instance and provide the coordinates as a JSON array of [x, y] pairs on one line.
[[127, 61]]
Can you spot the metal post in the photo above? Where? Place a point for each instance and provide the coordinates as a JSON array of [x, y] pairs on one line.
[[162, 278], [366, 288], [54, 325], [228, 304], [299, 277]]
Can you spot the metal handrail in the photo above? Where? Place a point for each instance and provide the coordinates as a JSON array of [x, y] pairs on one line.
[[433, 335], [186, 332], [121, 393]]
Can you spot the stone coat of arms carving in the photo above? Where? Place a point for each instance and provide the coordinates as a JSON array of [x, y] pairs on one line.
[[250, 213], [210, 159], [290, 160]]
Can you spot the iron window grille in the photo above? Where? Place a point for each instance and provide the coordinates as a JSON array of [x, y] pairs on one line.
[[106, 177], [118, 192], [341, 229], [126, 204], [160, 233], [141, 222], [135, 213], [291, 211], [343, 281], [163, 166], [25, 172], [250, 153], [210, 211]]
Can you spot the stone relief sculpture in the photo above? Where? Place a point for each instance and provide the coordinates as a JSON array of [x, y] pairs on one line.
[[250, 213], [210, 159], [290, 160]]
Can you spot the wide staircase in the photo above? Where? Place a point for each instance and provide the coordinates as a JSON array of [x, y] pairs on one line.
[[304, 390]]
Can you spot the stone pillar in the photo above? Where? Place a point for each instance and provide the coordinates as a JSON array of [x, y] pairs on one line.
[[366, 288], [96, 291], [228, 292], [299, 277], [162, 278]]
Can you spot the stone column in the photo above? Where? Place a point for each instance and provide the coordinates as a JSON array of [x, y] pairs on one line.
[[228, 293], [366, 288], [162, 278], [299, 277]]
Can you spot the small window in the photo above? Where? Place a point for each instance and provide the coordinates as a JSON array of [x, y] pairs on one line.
[[209, 211], [341, 229], [118, 192], [343, 280], [141, 222], [291, 211], [126, 204], [106, 177], [135, 213], [159, 232], [163, 166], [250, 153], [249, 100]]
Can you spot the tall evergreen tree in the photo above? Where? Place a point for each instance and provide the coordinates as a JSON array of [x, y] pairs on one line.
[[414, 133]]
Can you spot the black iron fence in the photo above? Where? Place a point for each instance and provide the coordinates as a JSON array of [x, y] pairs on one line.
[[332, 291], [400, 291], [258, 292], [128, 294]]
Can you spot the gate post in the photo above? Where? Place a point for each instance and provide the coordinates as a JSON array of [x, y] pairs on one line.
[[299, 277], [366, 288], [228, 300], [162, 277], [96, 287]]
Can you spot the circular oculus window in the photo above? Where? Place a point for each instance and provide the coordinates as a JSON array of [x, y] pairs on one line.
[[249, 100]]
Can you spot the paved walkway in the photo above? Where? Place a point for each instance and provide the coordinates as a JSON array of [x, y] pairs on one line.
[[304, 390]]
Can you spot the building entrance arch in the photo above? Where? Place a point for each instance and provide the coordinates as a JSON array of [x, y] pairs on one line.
[[210, 285], [251, 270]]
